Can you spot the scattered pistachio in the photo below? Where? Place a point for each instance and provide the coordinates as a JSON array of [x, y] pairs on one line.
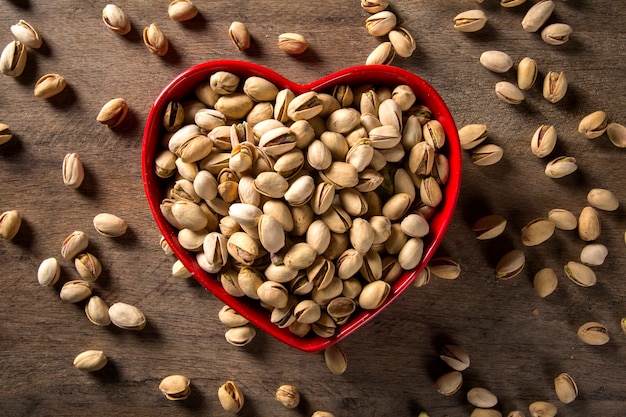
[[5, 133], [322, 414], [593, 333], [565, 387], [594, 254], [470, 21], [481, 397], [240, 336], [542, 409], [543, 141], [593, 125], [240, 35], [97, 311], [511, 264], [561, 167], [537, 15], [545, 282], [485, 155], [75, 291], [49, 85], [288, 396], [292, 43], [402, 41], [455, 357], [383, 54], [489, 227], [231, 397], [49, 272], [556, 33], [115, 19], [88, 266], [13, 59], [580, 274], [26, 34], [10, 222], [182, 10], [509, 93], [496, 61], [449, 383], [617, 134], [381, 23], [563, 219], [113, 112], [73, 171], [485, 412], [109, 225], [554, 86], [335, 359], [374, 6], [74, 244], [526, 73], [126, 316], [472, 135], [175, 387], [589, 225], [155, 40], [90, 360], [444, 267], [537, 231], [511, 3], [602, 199]]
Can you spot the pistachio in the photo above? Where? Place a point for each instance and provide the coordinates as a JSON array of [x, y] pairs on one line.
[[324, 413], [189, 215], [593, 333], [580, 274], [5, 133], [381, 23], [155, 40], [402, 42], [565, 387], [444, 267], [110, 225], [485, 155], [455, 357], [623, 324], [556, 33], [509, 93], [496, 61], [542, 409], [88, 266], [526, 73], [537, 231], [292, 43], [511, 264], [74, 244], [449, 383], [240, 336], [374, 6], [602, 199], [374, 294], [543, 141], [415, 225], [545, 282], [26, 34], [593, 125], [300, 256], [481, 397], [589, 225], [224, 82], [511, 3], [231, 397], [75, 291], [335, 359], [305, 106], [516, 413], [73, 171], [240, 35], [175, 387], [49, 85], [594, 254], [485, 412], [563, 219], [470, 21], [48, 272], [561, 167], [554, 86], [13, 59], [10, 222], [411, 253], [126, 316], [181, 10], [383, 54], [489, 227], [113, 112], [288, 395], [97, 311], [90, 360], [617, 134], [537, 15], [115, 19], [472, 135], [231, 318]]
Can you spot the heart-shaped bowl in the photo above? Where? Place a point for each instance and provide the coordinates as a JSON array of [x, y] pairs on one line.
[[182, 88]]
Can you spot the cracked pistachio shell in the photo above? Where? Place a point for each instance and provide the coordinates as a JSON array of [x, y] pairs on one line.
[[589, 225], [126, 316], [543, 141], [72, 170], [455, 357], [470, 21], [485, 155], [472, 135], [335, 359], [602, 199], [288, 396], [231, 397], [175, 387], [5, 133], [110, 225], [381, 23], [292, 43], [563, 219], [526, 73], [556, 33], [509, 92], [49, 272], [496, 61], [374, 6], [374, 294], [273, 294], [593, 333], [165, 163], [554, 86], [181, 10], [561, 167], [537, 231], [511, 3], [565, 388], [402, 41], [430, 192], [224, 82], [13, 59], [155, 40], [179, 270], [481, 397], [511, 264], [444, 267], [49, 85], [489, 227], [88, 266], [97, 311], [115, 19], [74, 244], [545, 282], [10, 222], [580, 274], [75, 291], [383, 54], [239, 34], [26, 34], [231, 318], [90, 360], [617, 134], [307, 311], [593, 125], [594, 254], [449, 383], [542, 409], [537, 15], [113, 112]]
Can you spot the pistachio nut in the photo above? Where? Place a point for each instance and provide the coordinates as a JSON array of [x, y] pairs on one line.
[[496, 61], [335, 359], [398, 204], [383, 54], [449, 383], [74, 244], [189, 215], [470, 21], [481, 397], [511, 264], [239, 34], [511, 3], [623, 324], [182, 10], [73, 171], [543, 141], [175, 387], [243, 248], [318, 236], [563, 219], [561, 167], [617, 134], [292, 43], [374, 6], [307, 311], [455, 357], [402, 42], [542, 409], [273, 294], [234, 106], [361, 235], [75, 291], [115, 19], [593, 125], [509, 92], [97, 311], [10, 222], [180, 271], [545, 282], [411, 253], [593, 333], [485, 155], [381, 23], [49, 272], [526, 73], [260, 89], [49, 85], [155, 40], [231, 318], [485, 412], [374, 294], [565, 388], [516, 413], [300, 256], [231, 397], [594, 254], [13, 59], [537, 15], [113, 112], [5, 133], [342, 306], [472, 135], [26, 34], [90, 360], [288, 395], [88, 266], [602, 199], [589, 225], [165, 163], [444, 267], [580, 274], [126, 316], [537, 231], [554, 86], [110, 225], [415, 225], [305, 106], [271, 233], [489, 227], [224, 82], [556, 33]]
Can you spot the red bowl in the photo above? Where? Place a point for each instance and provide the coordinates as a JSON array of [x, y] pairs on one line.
[[183, 85]]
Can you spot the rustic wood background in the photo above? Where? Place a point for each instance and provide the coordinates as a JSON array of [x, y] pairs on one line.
[[517, 341]]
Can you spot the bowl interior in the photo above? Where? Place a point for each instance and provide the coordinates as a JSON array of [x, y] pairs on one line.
[[181, 87]]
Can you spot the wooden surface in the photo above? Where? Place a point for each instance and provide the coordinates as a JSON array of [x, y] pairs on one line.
[[517, 341]]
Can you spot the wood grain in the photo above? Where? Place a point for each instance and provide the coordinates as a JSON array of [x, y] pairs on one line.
[[517, 341]]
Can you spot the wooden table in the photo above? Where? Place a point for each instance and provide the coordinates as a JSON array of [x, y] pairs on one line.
[[517, 341]]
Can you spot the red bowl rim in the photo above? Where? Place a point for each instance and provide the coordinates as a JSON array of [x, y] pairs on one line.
[[182, 85]]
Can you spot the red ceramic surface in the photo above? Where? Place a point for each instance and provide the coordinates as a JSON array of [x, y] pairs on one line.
[[183, 85]]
